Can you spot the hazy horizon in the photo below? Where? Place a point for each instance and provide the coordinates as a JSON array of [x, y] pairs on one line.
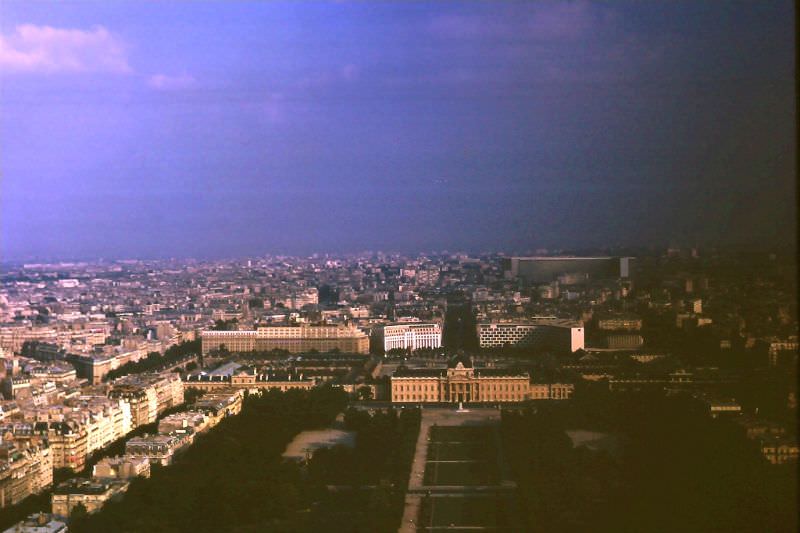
[[220, 130]]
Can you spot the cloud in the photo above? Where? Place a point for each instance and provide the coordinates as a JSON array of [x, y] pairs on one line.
[[542, 21], [163, 82], [569, 41], [350, 72], [565, 20], [45, 49], [274, 109]]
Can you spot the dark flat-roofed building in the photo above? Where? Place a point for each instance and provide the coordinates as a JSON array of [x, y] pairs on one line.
[[548, 269]]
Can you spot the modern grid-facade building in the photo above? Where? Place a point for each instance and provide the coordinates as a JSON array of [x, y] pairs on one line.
[[560, 335]]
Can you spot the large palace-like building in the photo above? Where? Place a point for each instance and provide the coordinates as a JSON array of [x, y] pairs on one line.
[[293, 338], [459, 382]]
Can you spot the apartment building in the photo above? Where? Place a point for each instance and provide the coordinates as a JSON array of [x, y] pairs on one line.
[[157, 448], [121, 467], [220, 403], [24, 471], [194, 420], [39, 523], [68, 443], [92, 494], [148, 395]]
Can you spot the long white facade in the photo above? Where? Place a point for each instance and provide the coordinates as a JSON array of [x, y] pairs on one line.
[[413, 336]]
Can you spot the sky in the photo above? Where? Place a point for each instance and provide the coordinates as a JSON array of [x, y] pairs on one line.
[[236, 129]]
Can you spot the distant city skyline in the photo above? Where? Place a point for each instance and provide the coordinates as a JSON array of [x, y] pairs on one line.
[[654, 249], [222, 130]]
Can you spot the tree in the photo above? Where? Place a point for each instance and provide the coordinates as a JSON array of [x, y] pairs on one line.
[[225, 325], [191, 394], [364, 393], [78, 516], [232, 473], [222, 351]]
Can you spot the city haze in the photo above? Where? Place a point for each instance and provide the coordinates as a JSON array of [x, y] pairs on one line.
[[221, 130]]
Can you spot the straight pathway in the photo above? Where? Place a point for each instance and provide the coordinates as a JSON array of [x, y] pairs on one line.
[[416, 482]]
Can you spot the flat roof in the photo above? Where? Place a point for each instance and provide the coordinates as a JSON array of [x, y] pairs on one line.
[[225, 370], [560, 322], [559, 258]]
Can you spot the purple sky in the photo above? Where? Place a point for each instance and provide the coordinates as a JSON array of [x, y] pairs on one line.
[[169, 129]]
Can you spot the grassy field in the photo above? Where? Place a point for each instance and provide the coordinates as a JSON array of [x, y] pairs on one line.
[[465, 456], [461, 473], [455, 451], [459, 433], [466, 513], [461, 455]]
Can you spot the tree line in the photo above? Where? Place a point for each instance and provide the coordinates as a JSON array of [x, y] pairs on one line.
[[362, 489], [234, 478], [155, 361], [676, 470], [231, 478]]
